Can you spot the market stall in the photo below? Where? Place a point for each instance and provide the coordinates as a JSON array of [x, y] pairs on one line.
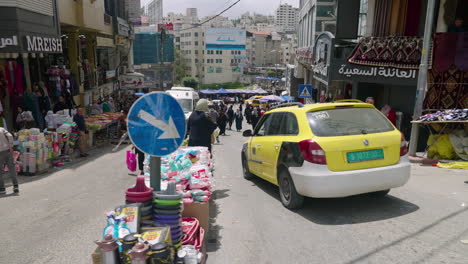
[[167, 225], [39, 151], [448, 130], [102, 128]]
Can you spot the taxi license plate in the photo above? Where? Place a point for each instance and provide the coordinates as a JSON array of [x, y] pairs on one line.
[[359, 156]]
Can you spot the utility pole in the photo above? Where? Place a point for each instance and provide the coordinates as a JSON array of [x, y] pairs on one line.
[[422, 76]]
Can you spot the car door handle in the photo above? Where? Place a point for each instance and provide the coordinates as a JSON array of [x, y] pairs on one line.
[[277, 146]]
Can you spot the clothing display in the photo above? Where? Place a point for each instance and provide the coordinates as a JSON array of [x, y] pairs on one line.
[[446, 115]]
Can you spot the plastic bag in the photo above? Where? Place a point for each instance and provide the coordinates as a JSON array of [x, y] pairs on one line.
[[453, 165], [131, 161], [457, 139], [441, 148]]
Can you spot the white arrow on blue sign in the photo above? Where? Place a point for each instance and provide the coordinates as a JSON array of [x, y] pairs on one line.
[[156, 124]]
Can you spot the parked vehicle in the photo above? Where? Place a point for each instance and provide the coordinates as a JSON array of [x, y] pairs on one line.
[[187, 98]]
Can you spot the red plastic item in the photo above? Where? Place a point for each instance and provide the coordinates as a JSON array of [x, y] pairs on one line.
[[140, 190], [193, 232], [138, 199]]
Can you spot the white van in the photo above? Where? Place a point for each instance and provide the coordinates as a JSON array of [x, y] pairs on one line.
[[187, 98]]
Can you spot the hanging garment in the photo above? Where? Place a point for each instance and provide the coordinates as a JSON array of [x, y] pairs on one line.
[[444, 53], [14, 77], [461, 54]]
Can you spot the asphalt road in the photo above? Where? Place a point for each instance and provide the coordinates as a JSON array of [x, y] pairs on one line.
[[56, 217], [422, 222]]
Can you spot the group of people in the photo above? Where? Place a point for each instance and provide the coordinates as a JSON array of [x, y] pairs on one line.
[[208, 117], [253, 114]]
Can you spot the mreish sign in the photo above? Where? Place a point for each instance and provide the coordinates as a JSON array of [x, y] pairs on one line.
[[43, 44]]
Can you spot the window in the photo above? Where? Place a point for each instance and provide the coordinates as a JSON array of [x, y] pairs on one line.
[[263, 126], [196, 60], [362, 30], [348, 121], [196, 51], [196, 43], [278, 124], [189, 34], [196, 34], [232, 52], [232, 61]]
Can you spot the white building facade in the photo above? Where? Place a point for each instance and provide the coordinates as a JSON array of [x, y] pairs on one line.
[[286, 18]]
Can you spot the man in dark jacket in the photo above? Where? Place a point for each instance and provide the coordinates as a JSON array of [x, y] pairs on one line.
[[200, 127]]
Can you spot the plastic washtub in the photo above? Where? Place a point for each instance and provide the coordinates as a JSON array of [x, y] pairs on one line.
[[168, 217], [138, 200], [167, 212], [167, 202], [140, 189], [167, 207]]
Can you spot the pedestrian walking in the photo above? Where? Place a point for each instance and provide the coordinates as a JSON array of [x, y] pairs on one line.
[[200, 126], [230, 115], [79, 120], [255, 116], [248, 114], [222, 122], [239, 118], [6, 158], [141, 159]]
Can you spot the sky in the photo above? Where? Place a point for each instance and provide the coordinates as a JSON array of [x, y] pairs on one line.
[[212, 7]]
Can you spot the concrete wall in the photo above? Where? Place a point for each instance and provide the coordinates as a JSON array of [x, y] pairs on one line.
[[85, 14], [45, 7]]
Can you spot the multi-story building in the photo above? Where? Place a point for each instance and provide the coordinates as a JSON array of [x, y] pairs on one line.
[[192, 13], [208, 57], [263, 49], [155, 12], [286, 18]]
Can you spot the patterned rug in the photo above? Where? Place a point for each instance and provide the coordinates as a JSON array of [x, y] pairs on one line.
[[392, 51], [447, 89]]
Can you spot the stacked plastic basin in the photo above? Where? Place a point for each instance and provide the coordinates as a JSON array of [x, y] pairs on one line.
[[168, 211], [143, 194]]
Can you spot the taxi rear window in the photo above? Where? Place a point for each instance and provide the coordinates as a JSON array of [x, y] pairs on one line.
[[348, 121]]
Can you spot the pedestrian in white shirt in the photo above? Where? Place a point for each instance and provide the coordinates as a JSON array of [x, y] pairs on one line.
[[6, 157]]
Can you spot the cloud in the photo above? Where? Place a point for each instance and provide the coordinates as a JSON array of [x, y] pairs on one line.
[[213, 7]]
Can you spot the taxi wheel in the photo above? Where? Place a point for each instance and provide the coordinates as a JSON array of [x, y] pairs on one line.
[[289, 196], [245, 169]]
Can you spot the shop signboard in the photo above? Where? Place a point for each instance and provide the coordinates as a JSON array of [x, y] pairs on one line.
[[156, 124], [166, 26], [110, 74], [322, 57], [121, 26], [104, 42], [343, 70], [225, 39], [43, 44], [8, 41]]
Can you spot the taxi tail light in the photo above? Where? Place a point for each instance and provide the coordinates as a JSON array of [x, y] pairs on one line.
[[403, 146], [312, 152]]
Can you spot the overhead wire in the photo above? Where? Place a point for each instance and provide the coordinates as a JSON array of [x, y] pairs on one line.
[[211, 18]]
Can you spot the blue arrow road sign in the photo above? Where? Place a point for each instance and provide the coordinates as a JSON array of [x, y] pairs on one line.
[[156, 124], [305, 91]]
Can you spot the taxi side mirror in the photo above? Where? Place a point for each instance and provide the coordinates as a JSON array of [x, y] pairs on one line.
[[247, 133]]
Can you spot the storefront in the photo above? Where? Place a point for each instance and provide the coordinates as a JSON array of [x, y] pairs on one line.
[[25, 50]]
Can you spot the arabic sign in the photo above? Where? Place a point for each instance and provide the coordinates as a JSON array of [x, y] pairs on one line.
[[156, 124], [166, 26], [4, 42], [322, 56], [225, 39], [346, 71]]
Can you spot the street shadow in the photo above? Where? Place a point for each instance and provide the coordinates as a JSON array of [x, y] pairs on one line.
[[348, 210], [76, 163], [213, 237], [363, 258]]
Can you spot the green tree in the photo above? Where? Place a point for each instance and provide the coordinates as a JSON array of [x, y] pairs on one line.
[[271, 74], [179, 66], [190, 82]]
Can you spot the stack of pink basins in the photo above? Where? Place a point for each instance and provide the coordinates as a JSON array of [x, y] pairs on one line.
[[143, 194]]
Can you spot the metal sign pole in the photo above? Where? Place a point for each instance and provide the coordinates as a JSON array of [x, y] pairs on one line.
[[155, 173]]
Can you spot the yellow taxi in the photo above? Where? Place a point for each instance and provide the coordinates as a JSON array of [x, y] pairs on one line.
[[251, 99], [326, 150]]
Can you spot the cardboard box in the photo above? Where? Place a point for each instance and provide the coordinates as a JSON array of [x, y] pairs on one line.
[[199, 211]]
